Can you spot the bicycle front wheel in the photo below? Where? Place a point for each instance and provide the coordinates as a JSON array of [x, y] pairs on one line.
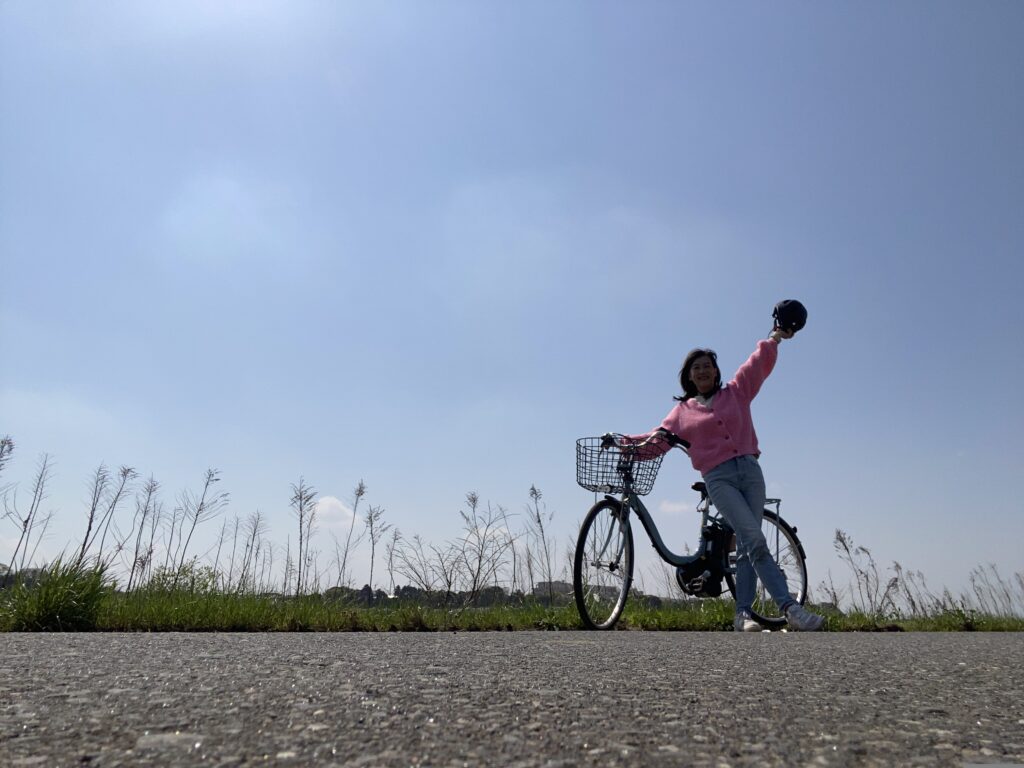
[[789, 555], [602, 569]]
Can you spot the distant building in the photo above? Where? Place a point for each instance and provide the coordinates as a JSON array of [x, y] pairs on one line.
[[544, 588]]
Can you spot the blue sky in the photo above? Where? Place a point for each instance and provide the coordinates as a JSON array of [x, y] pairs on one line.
[[430, 245]]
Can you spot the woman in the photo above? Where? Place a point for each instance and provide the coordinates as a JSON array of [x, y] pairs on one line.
[[716, 421]]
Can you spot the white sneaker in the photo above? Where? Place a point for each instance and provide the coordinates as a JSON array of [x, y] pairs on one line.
[[802, 620], [745, 623]]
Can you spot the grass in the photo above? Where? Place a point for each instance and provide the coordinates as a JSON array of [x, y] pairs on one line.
[[215, 612], [702, 616], [67, 596], [72, 597]]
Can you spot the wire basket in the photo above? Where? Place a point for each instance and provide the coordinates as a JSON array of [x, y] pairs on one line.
[[609, 470]]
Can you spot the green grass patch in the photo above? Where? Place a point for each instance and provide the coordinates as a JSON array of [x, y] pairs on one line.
[[179, 611], [77, 598], [66, 597], [696, 616]]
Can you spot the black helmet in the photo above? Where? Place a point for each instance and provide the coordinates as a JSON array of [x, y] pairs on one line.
[[790, 315]]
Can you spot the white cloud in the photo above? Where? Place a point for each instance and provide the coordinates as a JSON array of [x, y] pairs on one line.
[[334, 515], [334, 519], [675, 507]]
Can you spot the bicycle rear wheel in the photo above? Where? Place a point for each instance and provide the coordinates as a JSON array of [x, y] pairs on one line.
[[602, 569], [789, 554]]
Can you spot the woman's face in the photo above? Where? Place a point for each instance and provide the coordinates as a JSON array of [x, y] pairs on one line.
[[703, 374]]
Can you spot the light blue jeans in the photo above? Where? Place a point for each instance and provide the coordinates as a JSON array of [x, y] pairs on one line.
[[737, 489]]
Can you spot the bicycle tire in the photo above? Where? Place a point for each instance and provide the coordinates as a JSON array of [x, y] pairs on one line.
[[602, 570], [789, 554]]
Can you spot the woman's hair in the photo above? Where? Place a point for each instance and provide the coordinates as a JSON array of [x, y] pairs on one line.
[[689, 388]]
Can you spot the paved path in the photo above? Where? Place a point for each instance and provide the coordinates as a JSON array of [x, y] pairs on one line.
[[517, 699]]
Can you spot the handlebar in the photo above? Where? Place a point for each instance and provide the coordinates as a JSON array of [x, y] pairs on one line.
[[610, 439]]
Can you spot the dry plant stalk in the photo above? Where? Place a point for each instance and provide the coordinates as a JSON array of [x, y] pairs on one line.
[[538, 534], [414, 563], [377, 528], [145, 511], [872, 597], [30, 522], [342, 552], [484, 546], [198, 509], [303, 505]]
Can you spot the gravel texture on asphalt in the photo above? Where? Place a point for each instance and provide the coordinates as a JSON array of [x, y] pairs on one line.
[[511, 699]]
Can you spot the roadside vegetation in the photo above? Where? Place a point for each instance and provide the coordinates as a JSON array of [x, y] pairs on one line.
[[135, 570]]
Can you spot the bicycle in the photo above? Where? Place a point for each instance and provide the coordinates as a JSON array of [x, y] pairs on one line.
[[603, 561]]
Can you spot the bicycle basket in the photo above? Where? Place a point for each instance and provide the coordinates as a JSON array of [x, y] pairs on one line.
[[607, 470]]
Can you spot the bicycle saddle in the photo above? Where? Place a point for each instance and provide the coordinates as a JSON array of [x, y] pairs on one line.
[[701, 488]]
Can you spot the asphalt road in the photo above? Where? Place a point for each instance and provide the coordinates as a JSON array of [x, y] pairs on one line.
[[517, 699]]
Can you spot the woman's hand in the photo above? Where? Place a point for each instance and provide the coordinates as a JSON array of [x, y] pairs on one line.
[[778, 335]]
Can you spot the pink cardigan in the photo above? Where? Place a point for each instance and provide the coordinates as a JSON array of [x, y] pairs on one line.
[[725, 430]]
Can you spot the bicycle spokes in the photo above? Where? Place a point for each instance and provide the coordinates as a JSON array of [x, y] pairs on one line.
[[603, 567], [612, 548]]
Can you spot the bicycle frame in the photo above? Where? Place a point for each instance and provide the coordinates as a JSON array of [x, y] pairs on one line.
[[630, 501]]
